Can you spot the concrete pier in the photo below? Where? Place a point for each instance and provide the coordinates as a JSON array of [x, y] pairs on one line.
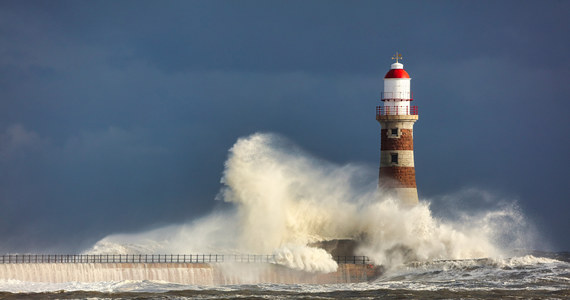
[[182, 273], [202, 269]]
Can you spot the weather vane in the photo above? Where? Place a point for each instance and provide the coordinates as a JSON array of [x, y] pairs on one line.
[[397, 57]]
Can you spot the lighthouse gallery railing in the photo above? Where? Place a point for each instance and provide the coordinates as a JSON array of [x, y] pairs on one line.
[[396, 110]]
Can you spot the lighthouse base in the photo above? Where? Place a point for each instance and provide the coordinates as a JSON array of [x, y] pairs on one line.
[[407, 196]]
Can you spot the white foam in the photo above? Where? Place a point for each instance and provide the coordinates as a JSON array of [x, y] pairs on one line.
[[305, 258], [17, 286], [283, 196]]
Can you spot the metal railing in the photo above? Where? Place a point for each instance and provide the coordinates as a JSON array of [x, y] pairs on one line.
[[110, 258], [357, 260], [396, 110], [155, 258]]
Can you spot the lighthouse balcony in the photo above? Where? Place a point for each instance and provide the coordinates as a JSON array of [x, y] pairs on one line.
[[397, 96], [396, 110]]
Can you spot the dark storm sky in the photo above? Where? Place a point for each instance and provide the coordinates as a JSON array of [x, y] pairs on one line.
[[116, 116]]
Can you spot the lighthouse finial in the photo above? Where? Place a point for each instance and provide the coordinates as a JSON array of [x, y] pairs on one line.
[[397, 57]]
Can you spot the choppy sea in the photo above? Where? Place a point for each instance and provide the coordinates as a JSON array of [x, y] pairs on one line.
[[539, 275]]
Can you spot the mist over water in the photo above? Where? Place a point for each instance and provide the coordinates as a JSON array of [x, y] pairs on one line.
[[284, 199]]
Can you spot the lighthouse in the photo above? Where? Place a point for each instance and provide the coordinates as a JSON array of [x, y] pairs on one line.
[[397, 117]]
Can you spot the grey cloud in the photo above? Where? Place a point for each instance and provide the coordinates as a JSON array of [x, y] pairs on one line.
[[113, 140], [16, 139]]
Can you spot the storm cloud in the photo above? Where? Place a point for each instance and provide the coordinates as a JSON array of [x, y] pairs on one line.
[[117, 116]]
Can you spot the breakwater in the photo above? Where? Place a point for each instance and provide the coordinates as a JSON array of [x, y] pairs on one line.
[[203, 269]]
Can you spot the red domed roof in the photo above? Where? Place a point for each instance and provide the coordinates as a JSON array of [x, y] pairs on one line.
[[397, 73]]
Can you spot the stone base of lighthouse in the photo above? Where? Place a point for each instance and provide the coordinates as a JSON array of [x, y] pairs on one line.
[[407, 196], [397, 170]]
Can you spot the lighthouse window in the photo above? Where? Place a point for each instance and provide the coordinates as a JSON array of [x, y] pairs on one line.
[[394, 131], [394, 158]]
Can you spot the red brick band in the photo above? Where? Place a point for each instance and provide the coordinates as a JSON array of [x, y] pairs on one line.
[[398, 177], [404, 142]]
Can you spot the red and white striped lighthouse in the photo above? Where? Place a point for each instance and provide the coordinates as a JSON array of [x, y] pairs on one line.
[[397, 118]]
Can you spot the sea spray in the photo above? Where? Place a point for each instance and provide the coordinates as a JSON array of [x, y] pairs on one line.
[[285, 199], [397, 234], [305, 258], [284, 196], [498, 216], [210, 234]]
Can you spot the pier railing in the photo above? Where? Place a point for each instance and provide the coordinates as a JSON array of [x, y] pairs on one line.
[[155, 258]]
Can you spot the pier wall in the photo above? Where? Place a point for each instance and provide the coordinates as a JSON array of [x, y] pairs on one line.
[[183, 273]]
